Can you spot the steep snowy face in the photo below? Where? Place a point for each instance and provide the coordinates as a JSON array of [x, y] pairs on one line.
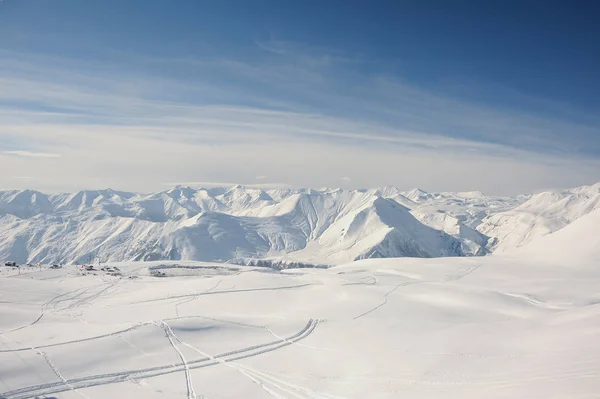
[[472, 241], [455, 213], [374, 228], [542, 214], [409, 237], [394, 194]]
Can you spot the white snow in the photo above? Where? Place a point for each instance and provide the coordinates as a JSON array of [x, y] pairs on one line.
[[579, 240], [522, 322], [487, 327], [542, 214], [327, 226]]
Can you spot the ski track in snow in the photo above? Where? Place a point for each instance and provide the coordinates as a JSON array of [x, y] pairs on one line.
[[385, 297], [289, 387], [79, 340], [462, 274], [263, 379], [116, 377], [58, 373], [119, 332], [222, 292], [52, 366], [177, 305], [191, 394], [44, 305], [451, 278], [228, 364]]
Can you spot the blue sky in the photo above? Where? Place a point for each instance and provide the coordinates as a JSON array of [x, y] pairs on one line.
[[500, 96]]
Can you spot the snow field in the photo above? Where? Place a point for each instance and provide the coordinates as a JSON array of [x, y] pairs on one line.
[[494, 327]]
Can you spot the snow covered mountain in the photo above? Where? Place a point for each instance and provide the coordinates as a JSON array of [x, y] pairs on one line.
[[542, 214], [244, 225], [576, 243]]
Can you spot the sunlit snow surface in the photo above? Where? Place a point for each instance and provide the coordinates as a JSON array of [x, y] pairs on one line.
[[493, 327]]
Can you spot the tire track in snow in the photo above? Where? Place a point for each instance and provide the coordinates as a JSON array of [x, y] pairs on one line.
[[117, 377]]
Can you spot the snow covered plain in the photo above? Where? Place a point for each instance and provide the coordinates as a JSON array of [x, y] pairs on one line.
[[509, 326]]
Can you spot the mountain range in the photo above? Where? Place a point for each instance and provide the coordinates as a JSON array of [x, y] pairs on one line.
[[278, 226]]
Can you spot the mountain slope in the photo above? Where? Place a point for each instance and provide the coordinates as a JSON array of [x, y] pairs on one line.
[[542, 214], [380, 228], [24, 204], [579, 241]]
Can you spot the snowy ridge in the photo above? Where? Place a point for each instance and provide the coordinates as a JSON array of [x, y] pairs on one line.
[[278, 226], [542, 214], [579, 241]]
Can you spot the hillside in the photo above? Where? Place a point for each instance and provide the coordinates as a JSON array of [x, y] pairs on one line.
[[542, 214], [577, 242]]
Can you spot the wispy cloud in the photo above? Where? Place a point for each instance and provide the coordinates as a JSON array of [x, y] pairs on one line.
[[29, 154], [210, 184], [289, 117], [310, 56]]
